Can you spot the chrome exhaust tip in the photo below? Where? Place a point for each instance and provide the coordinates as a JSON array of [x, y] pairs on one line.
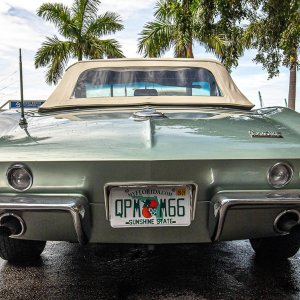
[[13, 224], [286, 221]]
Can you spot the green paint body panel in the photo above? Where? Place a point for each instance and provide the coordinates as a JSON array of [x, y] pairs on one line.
[[81, 151], [185, 134]]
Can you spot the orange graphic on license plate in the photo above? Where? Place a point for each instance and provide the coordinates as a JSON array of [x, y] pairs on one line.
[[180, 192]]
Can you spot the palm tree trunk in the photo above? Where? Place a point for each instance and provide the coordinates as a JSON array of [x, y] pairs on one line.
[[80, 56], [189, 48], [189, 51], [292, 85]]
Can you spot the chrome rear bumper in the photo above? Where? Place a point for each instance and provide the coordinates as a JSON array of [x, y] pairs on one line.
[[224, 201], [76, 205], [76, 208]]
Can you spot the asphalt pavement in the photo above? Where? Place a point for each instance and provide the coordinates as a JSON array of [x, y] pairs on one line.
[[226, 270]]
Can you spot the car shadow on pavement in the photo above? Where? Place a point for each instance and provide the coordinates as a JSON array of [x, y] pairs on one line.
[[199, 271], [227, 270]]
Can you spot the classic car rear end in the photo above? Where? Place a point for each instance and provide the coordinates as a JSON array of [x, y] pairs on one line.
[[149, 167]]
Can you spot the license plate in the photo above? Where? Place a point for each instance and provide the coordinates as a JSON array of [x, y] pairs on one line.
[[150, 206]]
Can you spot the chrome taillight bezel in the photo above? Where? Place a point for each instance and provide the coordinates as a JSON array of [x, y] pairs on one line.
[[290, 170], [18, 166]]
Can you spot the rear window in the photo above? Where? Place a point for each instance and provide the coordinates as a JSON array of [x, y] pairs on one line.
[[132, 82]]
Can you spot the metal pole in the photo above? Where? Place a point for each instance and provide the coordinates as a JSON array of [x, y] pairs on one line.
[[22, 122]]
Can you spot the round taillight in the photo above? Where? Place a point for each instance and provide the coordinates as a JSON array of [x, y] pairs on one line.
[[280, 174], [19, 177]]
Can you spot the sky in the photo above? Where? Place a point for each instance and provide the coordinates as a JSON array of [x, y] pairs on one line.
[[21, 28]]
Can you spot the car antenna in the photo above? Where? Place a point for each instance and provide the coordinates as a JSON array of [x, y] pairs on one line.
[[23, 122], [260, 99]]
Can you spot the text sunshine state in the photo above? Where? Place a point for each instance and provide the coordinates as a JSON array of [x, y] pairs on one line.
[[150, 221]]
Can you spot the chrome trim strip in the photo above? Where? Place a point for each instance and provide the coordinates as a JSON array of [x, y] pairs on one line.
[[226, 200], [110, 185], [76, 205], [146, 113]]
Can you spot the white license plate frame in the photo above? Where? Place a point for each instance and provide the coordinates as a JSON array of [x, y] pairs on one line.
[[150, 205]]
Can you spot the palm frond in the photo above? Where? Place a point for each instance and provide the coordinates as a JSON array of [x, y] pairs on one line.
[[96, 48], [252, 33], [55, 54], [166, 9], [82, 28], [156, 38], [84, 11], [173, 26], [182, 40], [215, 43], [112, 48], [59, 15], [107, 23]]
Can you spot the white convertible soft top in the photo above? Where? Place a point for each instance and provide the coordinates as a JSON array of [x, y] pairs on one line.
[[62, 95]]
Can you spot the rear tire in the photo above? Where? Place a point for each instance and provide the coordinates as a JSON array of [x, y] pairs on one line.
[[279, 247], [15, 250]]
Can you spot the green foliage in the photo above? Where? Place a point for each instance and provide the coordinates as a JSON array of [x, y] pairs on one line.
[[275, 33], [82, 29], [228, 19], [216, 25], [177, 24]]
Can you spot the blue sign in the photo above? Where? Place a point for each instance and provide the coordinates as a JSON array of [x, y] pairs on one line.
[[27, 104]]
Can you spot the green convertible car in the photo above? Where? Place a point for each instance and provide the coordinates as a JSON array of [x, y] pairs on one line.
[[149, 151]]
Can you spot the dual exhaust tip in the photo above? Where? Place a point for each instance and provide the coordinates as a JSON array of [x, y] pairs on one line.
[[11, 225], [286, 221]]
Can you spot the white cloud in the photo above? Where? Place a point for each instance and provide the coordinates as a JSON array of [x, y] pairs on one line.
[[128, 9], [32, 5], [21, 28], [273, 91]]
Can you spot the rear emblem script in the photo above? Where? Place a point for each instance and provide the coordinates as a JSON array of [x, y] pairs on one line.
[[266, 134]]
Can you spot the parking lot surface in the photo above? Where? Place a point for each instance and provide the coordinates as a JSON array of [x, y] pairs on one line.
[[225, 270]]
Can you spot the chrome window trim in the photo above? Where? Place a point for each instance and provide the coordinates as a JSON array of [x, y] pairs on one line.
[[223, 201], [110, 185], [289, 167]]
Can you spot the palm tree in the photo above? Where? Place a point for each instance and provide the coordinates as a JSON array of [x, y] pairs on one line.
[[82, 28], [178, 24]]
